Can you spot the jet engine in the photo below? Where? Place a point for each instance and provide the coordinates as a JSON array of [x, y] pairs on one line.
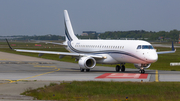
[[144, 66], [87, 62]]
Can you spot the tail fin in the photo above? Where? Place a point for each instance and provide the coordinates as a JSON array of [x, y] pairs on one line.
[[173, 46], [68, 28]]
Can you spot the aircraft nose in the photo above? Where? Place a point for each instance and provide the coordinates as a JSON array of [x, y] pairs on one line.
[[152, 57]]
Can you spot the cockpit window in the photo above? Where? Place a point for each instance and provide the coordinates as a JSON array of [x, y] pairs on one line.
[[145, 47], [139, 47]]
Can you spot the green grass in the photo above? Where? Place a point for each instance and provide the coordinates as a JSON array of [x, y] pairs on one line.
[[163, 62], [108, 91]]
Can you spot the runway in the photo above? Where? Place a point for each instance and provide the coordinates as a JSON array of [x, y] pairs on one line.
[[18, 73]]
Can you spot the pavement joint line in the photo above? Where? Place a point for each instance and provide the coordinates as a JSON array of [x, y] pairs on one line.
[[43, 66], [24, 62], [70, 69], [156, 76]]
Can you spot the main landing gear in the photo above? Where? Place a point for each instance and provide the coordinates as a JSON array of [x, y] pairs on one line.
[[82, 70], [118, 68]]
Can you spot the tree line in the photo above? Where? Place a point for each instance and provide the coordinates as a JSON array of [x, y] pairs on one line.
[[172, 35], [41, 37]]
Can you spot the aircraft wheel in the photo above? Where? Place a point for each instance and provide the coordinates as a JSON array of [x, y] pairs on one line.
[[87, 70], [122, 68], [82, 70], [142, 71], [118, 68]]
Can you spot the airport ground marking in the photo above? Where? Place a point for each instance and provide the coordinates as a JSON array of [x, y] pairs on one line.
[[156, 76], [57, 69], [5, 82], [122, 76], [4, 59], [12, 81]]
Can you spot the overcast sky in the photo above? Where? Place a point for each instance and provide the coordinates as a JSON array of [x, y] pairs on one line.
[[42, 17]]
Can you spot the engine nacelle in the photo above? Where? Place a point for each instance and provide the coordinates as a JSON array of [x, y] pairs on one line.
[[87, 62], [144, 66]]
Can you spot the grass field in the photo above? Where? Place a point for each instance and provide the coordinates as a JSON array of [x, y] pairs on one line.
[[108, 91]]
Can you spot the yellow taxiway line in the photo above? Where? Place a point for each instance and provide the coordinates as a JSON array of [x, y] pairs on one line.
[[11, 81], [156, 76]]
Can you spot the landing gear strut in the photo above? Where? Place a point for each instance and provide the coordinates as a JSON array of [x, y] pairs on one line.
[[118, 68], [142, 71]]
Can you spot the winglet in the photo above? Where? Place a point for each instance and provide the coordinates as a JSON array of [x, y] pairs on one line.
[[173, 46], [9, 45]]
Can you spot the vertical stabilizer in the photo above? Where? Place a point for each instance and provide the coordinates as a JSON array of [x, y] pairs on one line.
[[68, 27]]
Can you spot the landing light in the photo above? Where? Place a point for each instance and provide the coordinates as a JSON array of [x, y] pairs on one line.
[[104, 57]]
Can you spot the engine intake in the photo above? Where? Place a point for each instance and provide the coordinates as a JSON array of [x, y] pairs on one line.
[[87, 62]]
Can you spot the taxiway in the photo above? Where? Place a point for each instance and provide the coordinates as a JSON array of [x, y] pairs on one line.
[[18, 72], [15, 67]]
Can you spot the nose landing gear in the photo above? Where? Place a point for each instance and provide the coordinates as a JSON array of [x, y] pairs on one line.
[[142, 71]]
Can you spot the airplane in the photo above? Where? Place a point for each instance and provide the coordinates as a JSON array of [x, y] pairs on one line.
[[89, 52]]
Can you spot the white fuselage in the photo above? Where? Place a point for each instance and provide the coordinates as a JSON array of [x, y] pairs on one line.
[[115, 51]]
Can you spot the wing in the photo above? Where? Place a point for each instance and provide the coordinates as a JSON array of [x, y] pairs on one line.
[[166, 52], [58, 53]]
